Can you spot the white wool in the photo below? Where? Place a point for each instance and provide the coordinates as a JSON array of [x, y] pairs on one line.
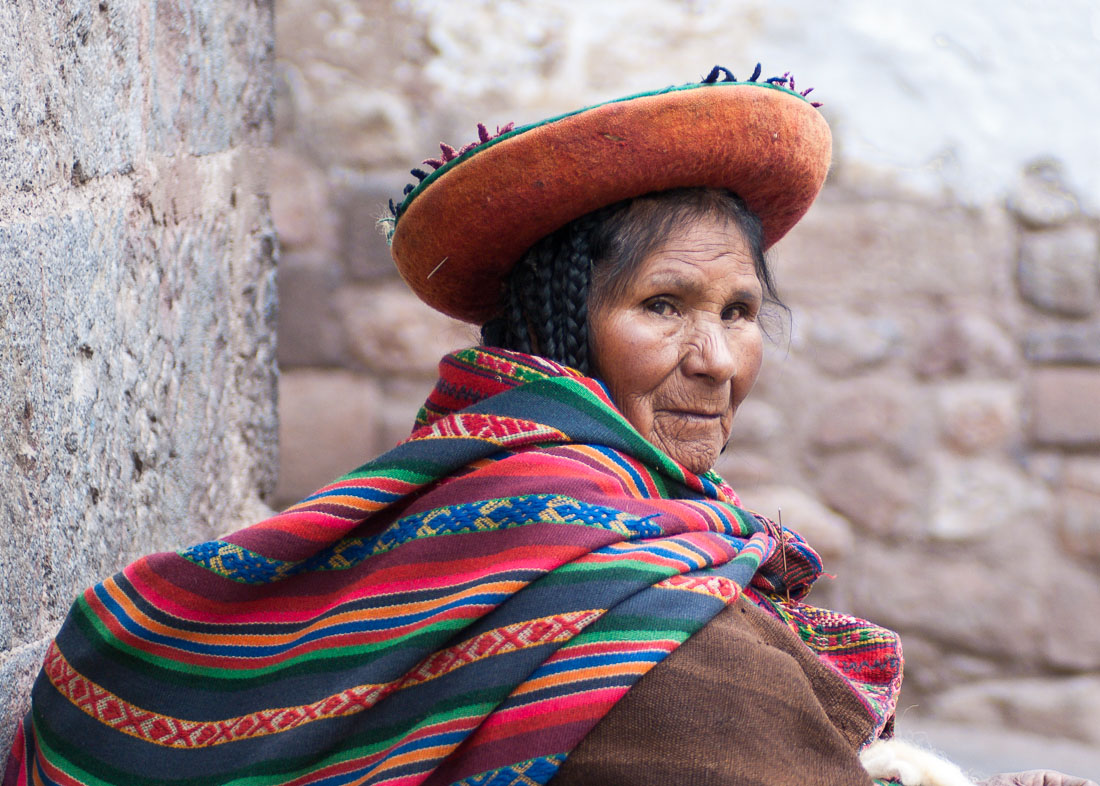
[[911, 765]]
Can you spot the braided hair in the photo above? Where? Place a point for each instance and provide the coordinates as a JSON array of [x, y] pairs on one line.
[[546, 297]]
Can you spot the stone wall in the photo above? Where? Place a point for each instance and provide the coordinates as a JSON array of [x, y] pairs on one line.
[[137, 295], [930, 419]]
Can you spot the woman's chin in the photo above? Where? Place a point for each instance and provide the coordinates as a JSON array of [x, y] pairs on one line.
[[698, 456]]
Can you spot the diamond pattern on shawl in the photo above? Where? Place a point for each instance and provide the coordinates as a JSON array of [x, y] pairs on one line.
[[504, 431], [171, 732]]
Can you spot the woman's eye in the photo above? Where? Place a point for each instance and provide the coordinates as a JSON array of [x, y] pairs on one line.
[[733, 312], [660, 307]]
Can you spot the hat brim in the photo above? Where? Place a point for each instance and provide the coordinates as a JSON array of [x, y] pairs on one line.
[[460, 233]]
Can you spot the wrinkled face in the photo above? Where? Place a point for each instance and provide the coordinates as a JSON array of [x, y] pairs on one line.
[[680, 347]]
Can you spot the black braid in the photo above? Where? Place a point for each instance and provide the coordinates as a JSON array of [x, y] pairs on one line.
[[540, 303], [545, 302], [574, 285]]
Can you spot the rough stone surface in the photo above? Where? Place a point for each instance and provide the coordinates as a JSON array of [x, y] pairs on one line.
[[360, 201], [137, 295], [1063, 407], [302, 216], [894, 251], [976, 590], [1083, 472], [1059, 270]]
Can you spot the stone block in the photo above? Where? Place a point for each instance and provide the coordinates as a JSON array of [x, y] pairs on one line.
[[1003, 598], [871, 492], [849, 252], [1083, 473], [894, 587], [977, 416], [1041, 199], [98, 84], [1059, 270], [1071, 344], [328, 427], [756, 423], [299, 204], [870, 413], [137, 295], [1064, 407], [310, 330], [745, 470], [1069, 593], [353, 68], [1067, 707], [361, 200], [960, 342], [823, 529], [400, 403], [1079, 526], [932, 666], [842, 343], [390, 331], [976, 497]]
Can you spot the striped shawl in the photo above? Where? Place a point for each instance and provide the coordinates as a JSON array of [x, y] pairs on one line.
[[462, 610]]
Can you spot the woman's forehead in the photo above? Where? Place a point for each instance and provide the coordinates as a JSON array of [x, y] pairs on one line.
[[711, 243], [717, 268]]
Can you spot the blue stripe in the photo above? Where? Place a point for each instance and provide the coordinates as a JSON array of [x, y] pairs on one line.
[[588, 661], [241, 651], [362, 492], [619, 460]]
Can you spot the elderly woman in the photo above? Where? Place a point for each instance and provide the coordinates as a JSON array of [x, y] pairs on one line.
[[546, 582]]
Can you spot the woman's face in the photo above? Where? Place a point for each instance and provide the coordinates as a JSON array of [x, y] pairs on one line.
[[679, 347]]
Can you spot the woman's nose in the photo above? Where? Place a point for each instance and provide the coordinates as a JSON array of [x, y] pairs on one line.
[[709, 353]]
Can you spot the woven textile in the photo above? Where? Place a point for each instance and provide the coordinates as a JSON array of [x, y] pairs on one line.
[[463, 609]]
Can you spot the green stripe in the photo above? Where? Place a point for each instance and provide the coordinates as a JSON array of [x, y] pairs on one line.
[[626, 570]]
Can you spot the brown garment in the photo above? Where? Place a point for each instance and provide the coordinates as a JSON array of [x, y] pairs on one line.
[[741, 702]]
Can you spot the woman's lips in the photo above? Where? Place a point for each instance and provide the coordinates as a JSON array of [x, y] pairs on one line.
[[693, 415]]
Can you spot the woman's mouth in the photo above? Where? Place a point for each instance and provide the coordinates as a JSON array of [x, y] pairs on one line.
[[687, 414]]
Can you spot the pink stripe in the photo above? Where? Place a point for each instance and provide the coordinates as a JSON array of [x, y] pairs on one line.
[[556, 705], [572, 652]]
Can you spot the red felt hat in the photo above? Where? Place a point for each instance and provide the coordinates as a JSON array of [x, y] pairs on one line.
[[458, 233]]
